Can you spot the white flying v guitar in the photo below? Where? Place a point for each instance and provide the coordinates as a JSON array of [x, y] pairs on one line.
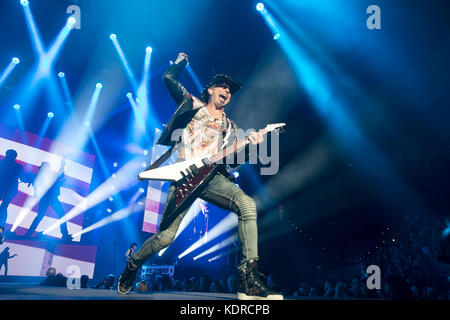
[[192, 174]]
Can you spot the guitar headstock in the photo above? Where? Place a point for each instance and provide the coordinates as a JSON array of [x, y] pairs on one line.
[[277, 127]]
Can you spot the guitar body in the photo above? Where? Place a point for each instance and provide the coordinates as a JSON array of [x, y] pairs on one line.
[[172, 172], [186, 192], [190, 187], [188, 184]]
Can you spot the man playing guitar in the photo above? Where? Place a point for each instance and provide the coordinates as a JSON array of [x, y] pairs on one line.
[[204, 123]]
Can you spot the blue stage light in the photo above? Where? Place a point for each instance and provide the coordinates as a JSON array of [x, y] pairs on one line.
[[50, 115], [129, 95], [124, 61], [5, 73], [236, 174], [24, 3], [270, 21], [61, 74], [71, 21], [87, 123], [195, 78], [99, 85], [149, 49], [145, 152], [16, 106], [115, 164]]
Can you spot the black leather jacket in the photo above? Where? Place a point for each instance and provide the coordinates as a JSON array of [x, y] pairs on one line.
[[185, 102]]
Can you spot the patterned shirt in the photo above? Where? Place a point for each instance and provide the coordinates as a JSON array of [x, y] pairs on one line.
[[202, 137]]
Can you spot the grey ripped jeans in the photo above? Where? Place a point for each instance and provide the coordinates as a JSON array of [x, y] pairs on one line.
[[222, 192]]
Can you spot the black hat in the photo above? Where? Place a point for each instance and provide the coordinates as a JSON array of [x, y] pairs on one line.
[[218, 79]]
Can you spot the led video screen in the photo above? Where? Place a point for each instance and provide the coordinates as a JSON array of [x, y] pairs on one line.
[[23, 156]]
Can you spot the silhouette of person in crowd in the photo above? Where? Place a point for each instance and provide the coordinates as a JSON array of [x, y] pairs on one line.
[[10, 174], [130, 251], [106, 283], [51, 276], [84, 281], [4, 257], [49, 198]]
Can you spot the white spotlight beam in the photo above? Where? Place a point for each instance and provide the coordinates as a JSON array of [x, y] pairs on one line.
[[66, 90], [47, 59], [34, 31], [220, 255], [124, 61], [136, 111], [193, 211], [119, 215], [44, 183], [5, 74], [93, 104], [123, 179], [229, 222], [218, 246]]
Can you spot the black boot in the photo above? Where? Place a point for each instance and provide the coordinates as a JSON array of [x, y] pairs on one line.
[[251, 286], [126, 279]]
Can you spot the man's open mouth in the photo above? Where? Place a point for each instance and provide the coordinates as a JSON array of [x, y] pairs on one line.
[[222, 97]]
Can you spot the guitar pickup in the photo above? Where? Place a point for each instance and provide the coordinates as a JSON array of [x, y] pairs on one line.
[[194, 169], [207, 162]]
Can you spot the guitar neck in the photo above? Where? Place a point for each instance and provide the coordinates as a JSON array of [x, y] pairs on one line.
[[233, 148]]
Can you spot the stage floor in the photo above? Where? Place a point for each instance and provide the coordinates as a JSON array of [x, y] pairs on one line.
[[14, 291], [21, 291]]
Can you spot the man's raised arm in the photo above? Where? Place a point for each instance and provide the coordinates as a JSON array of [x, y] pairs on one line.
[[176, 90]]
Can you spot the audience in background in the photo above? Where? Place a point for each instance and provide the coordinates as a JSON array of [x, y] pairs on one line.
[[84, 281], [142, 287], [409, 264], [54, 279], [106, 283]]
